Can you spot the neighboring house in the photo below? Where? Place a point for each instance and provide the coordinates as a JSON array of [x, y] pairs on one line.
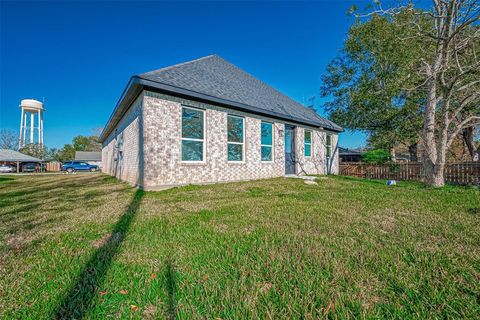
[[207, 121], [91, 157], [349, 155]]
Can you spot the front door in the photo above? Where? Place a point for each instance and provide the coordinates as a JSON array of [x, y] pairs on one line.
[[289, 150]]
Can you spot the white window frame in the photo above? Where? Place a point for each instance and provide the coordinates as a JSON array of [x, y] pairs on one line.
[[240, 143], [309, 143], [204, 154], [267, 145]]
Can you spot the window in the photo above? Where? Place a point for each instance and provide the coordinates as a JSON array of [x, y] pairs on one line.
[[266, 141], [235, 139], [329, 146], [308, 143], [193, 134]]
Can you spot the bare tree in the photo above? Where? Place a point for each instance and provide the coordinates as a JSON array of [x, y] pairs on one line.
[[450, 37], [8, 139]]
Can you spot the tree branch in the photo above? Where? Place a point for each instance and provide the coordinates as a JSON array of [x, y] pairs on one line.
[[470, 121]]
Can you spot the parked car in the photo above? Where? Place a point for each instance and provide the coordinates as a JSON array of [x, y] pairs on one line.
[[73, 166], [31, 167], [4, 168]]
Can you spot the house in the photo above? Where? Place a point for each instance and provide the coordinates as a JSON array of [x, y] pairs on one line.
[[92, 157], [350, 155], [207, 121]]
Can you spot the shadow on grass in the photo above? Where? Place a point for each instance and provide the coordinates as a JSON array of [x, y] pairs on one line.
[[3, 179], [79, 297], [170, 276]]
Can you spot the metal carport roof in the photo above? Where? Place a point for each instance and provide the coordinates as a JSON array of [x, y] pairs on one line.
[[7, 155]]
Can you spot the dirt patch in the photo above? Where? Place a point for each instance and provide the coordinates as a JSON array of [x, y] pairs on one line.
[[108, 238], [149, 312]]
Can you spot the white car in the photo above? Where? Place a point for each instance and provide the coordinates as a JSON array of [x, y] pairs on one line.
[[5, 168]]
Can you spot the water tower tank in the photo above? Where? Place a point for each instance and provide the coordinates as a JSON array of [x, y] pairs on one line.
[[31, 109], [31, 105]]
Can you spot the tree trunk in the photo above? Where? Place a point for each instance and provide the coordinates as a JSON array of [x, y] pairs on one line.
[[434, 177], [413, 152], [393, 157], [434, 174], [472, 149]]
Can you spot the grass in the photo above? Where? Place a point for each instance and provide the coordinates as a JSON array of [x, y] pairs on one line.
[[87, 246]]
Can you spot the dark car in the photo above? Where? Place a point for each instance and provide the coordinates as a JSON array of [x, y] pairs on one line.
[[30, 167], [73, 166]]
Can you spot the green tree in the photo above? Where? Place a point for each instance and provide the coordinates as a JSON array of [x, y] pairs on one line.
[[378, 156], [438, 49], [367, 83], [84, 143], [35, 150], [53, 154], [67, 153]]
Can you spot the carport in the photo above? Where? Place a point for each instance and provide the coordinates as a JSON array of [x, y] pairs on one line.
[[8, 156]]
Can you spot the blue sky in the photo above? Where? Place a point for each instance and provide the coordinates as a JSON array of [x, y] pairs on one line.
[[79, 56]]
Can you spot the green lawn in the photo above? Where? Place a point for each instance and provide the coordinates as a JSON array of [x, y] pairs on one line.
[[76, 246]]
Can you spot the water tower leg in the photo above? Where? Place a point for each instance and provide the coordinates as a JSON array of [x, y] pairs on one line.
[[39, 127], [32, 121], [41, 123], [24, 130], [21, 131]]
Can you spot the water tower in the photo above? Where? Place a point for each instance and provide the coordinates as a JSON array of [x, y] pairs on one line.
[[28, 125]]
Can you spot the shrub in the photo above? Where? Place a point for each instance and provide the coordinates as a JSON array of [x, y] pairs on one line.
[[378, 156]]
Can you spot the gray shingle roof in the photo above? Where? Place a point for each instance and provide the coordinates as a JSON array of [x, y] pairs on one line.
[[88, 156], [13, 156], [213, 76], [217, 81]]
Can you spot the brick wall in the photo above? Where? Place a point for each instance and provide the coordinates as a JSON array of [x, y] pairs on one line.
[[149, 139], [163, 165], [162, 146], [126, 160], [317, 162]]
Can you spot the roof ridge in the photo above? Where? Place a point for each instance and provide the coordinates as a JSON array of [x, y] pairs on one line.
[[179, 64]]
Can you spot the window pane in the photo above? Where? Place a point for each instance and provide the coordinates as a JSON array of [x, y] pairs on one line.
[[235, 152], [288, 141], [192, 123], [308, 137], [308, 150], [235, 129], [266, 153], [329, 145], [192, 150], [266, 133]]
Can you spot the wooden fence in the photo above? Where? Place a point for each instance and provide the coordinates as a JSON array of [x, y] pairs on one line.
[[455, 173], [54, 166]]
